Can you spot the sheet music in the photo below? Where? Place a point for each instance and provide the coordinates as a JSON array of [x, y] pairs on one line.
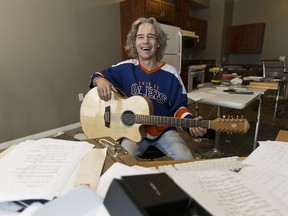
[[39, 169], [261, 188], [228, 193], [276, 184], [270, 155]]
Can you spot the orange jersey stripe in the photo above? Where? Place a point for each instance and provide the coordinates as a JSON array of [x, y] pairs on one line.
[[183, 111], [155, 130]]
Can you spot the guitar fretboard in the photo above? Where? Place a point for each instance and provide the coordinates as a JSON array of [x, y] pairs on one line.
[[170, 121]]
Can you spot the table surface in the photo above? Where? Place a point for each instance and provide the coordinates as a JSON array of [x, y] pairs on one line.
[[216, 96]]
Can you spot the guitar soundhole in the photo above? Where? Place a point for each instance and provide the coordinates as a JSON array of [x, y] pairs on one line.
[[128, 118]]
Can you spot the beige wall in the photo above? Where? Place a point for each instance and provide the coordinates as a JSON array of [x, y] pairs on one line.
[[48, 50]]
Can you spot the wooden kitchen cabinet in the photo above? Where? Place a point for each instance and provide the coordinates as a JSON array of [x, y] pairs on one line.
[[201, 31], [245, 38], [187, 22], [184, 77], [131, 10], [198, 26], [162, 10]]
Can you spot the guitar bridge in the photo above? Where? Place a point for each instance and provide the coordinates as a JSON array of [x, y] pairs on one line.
[[107, 116]]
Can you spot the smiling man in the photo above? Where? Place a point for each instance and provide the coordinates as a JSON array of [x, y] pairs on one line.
[[147, 76]]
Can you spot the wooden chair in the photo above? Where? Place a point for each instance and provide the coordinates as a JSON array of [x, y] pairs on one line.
[[282, 136], [268, 86]]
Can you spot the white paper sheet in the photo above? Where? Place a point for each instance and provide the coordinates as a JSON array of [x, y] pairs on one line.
[[254, 78], [274, 183], [260, 188], [79, 202], [227, 193], [196, 96], [39, 169], [116, 171], [270, 155], [91, 168]]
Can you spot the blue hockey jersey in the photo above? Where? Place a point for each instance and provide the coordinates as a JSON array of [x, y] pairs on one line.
[[163, 86]]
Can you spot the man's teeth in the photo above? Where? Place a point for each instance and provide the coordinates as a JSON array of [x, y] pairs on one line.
[[145, 48]]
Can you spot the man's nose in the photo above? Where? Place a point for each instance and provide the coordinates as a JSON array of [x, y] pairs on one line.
[[146, 39]]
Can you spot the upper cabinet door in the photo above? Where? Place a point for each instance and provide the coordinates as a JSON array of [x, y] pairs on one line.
[[198, 26], [163, 11], [236, 38], [254, 38], [154, 8], [245, 38]]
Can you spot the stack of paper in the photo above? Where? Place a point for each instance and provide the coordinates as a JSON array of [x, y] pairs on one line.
[[39, 169], [261, 188], [46, 168]]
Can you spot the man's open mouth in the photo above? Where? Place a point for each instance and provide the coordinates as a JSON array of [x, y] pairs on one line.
[[146, 48]]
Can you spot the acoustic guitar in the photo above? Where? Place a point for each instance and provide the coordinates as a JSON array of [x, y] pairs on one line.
[[125, 117]]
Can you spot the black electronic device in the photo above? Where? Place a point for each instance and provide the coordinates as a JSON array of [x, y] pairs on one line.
[[149, 195], [242, 92]]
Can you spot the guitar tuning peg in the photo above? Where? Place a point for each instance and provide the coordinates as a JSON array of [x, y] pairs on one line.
[[237, 119]]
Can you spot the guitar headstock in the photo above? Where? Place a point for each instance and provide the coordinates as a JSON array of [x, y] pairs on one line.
[[230, 125]]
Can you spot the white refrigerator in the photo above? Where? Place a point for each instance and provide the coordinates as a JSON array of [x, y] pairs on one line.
[[173, 53]]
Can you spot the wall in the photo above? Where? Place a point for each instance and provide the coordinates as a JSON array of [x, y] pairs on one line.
[[219, 15], [223, 13], [48, 51], [274, 14]]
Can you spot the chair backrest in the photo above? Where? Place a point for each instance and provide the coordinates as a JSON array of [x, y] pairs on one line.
[[274, 68]]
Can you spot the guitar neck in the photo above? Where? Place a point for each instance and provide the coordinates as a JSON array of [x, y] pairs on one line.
[[170, 121]]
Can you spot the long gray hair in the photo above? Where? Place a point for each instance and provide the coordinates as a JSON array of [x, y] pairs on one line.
[[161, 36]]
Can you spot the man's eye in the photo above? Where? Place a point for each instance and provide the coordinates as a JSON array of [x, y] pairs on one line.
[[140, 37], [152, 37]]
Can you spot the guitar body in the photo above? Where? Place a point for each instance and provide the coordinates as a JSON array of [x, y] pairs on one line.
[[94, 120]]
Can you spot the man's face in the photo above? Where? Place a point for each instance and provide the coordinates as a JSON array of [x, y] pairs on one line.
[[146, 41]]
